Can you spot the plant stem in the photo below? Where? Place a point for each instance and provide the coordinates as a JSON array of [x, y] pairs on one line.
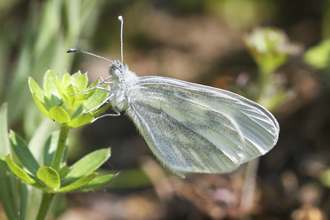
[[252, 166], [60, 147], [47, 199], [248, 188]]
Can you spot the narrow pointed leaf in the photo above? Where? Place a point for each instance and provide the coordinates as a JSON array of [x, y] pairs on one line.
[[95, 183], [50, 89], [60, 88], [23, 153], [90, 93], [83, 97], [87, 165], [3, 164], [40, 105], [18, 171], [101, 110], [8, 193], [80, 81], [50, 147], [8, 190], [25, 199], [49, 177], [70, 89], [64, 171], [49, 86], [59, 115], [76, 184], [34, 88], [93, 84], [98, 97], [66, 79], [74, 98], [78, 112], [4, 140], [129, 179], [81, 120]]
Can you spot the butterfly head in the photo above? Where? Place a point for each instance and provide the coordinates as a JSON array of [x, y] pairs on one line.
[[117, 70], [121, 73]]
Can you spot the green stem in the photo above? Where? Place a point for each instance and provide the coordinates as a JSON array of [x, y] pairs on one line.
[[60, 147], [264, 76], [47, 199]]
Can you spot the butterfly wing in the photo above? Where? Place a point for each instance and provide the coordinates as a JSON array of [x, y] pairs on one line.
[[196, 128]]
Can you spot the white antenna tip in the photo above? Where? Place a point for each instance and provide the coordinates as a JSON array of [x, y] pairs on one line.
[[120, 18]]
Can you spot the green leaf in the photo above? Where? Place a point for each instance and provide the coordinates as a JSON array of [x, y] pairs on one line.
[[23, 153], [90, 93], [50, 147], [101, 110], [4, 140], [50, 89], [49, 86], [18, 171], [8, 190], [64, 171], [75, 100], [80, 81], [49, 177], [80, 182], [93, 84], [97, 98], [129, 179], [25, 199], [83, 97], [81, 120], [60, 88], [59, 115], [68, 91], [40, 105], [34, 88], [95, 183], [78, 112], [8, 193], [3, 164], [87, 165], [66, 79]]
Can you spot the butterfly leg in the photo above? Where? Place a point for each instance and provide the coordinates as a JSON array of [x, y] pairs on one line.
[[98, 106], [106, 115], [104, 80], [95, 87]]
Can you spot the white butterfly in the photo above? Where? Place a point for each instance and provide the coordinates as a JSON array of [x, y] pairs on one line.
[[191, 127]]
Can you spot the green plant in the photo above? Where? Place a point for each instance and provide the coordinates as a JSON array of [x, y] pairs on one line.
[[48, 171]]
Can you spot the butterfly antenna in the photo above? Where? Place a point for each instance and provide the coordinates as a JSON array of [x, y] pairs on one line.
[[121, 19], [83, 51]]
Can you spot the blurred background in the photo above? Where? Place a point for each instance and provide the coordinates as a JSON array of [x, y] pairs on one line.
[[275, 52]]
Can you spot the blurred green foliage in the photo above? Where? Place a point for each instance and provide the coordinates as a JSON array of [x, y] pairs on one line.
[[42, 34], [31, 42]]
